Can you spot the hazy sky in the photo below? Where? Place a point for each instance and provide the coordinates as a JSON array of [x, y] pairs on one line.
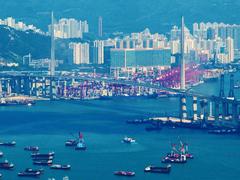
[[124, 15]]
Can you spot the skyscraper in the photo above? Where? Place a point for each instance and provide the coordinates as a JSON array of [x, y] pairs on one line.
[[52, 63], [182, 55], [100, 26]]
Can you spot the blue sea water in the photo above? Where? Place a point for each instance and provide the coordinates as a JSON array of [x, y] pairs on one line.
[[49, 124]]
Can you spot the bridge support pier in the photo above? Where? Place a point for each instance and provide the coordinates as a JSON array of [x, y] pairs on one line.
[[195, 109], [183, 107]]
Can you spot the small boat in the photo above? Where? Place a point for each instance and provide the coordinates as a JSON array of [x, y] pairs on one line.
[[13, 143], [29, 174], [0, 175], [1, 154], [81, 144], [6, 165], [155, 169], [128, 140], [43, 162], [29, 104], [35, 155], [31, 148], [61, 167], [34, 170], [124, 173], [71, 142]]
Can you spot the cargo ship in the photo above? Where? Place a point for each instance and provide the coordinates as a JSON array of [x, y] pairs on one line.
[[29, 174], [41, 170], [39, 155], [43, 162]]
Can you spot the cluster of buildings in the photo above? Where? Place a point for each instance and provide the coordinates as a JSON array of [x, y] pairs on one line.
[[141, 50], [19, 25], [70, 28], [217, 41], [206, 41]]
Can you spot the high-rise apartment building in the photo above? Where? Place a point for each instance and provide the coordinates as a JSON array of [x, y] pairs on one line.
[[80, 53], [98, 52]]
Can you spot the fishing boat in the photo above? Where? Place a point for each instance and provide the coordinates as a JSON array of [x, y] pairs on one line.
[[29, 174], [128, 140], [155, 169], [81, 143], [6, 165], [31, 148], [60, 167], [13, 143], [124, 173], [43, 162]]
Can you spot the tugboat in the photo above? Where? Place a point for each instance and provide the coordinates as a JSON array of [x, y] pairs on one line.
[[124, 173], [128, 140], [6, 165], [71, 142], [43, 162], [81, 144], [13, 143], [31, 148], [29, 174], [60, 167], [155, 169]]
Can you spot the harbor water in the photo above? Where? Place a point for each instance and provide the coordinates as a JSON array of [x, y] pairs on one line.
[[103, 124]]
